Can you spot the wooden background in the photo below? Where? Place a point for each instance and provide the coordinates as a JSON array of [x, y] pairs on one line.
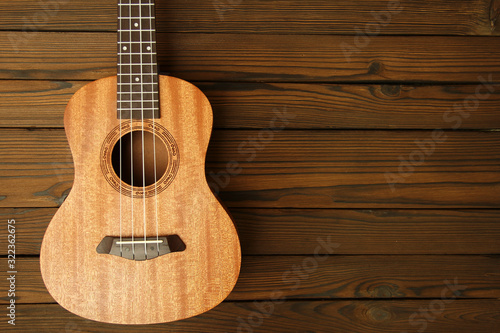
[[391, 253]]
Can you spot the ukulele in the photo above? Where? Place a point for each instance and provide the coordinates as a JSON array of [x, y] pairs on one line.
[[141, 238]]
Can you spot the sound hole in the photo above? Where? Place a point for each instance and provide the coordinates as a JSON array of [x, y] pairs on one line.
[[131, 158]]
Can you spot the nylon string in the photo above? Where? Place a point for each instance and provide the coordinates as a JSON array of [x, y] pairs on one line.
[[151, 13], [120, 124], [131, 127], [142, 124]]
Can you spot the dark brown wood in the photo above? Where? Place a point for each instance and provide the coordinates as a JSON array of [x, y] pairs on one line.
[[251, 105], [329, 106], [460, 17], [35, 103], [318, 169], [271, 58], [351, 169], [331, 276], [296, 231], [344, 316]]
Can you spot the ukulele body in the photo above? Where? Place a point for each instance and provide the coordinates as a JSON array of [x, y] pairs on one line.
[[170, 287]]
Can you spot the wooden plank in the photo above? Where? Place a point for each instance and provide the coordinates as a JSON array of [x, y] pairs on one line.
[[318, 169], [356, 169], [33, 103], [328, 277], [40, 160], [344, 316], [66, 56], [406, 17], [252, 57], [293, 231], [62, 15], [296, 231], [30, 225], [252, 105]]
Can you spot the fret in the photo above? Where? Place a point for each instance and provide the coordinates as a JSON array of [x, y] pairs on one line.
[[128, 83], [137, 95], [141, 103], [137, 114], [141, 30], [137, 79], [145, 82], [135, 53], [149, 104], [143, 42], [131, 78], [149, 64], [135, 92], [138, 105], [123, 83], [136, 17], [135, 26], [135, 4], [150, 53], [142, 109], [138, 58], [138, 108], [137, 68]]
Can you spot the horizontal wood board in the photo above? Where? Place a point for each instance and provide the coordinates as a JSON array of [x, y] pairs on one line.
[[293, 169], [458, 17], [41, 103], [331, 276], [344, 316], [299, 231], [253, 57]]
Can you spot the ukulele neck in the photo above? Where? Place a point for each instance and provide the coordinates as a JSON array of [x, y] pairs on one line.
[[137, 90]]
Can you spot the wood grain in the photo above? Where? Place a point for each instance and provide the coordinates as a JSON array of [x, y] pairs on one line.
[[296, 231], [35, 103], [317, 169], [460, 17], [331, 277], [30, 103], [266, 58], [345, 316], [112, 289], [252, 59]]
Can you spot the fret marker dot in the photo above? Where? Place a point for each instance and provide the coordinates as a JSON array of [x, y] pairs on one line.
[[148, 48], [124, 48], [137, 79], [136, 25]]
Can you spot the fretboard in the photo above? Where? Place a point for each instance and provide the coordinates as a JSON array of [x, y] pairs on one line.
[[137, 68]]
